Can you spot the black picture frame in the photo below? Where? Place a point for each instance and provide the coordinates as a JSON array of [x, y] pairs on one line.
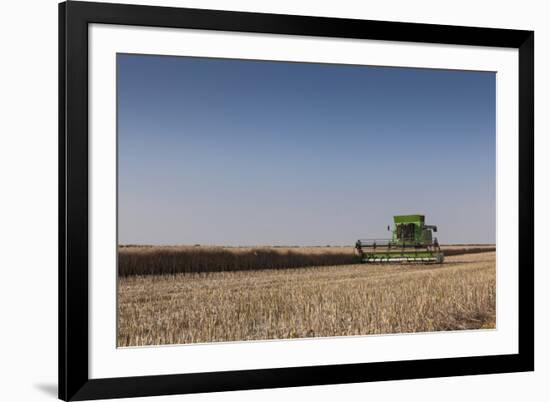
[[74, 381]]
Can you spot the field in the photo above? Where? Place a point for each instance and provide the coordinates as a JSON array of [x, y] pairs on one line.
[[162, 299]]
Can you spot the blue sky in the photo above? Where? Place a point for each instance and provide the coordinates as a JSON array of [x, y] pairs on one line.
[[240, 152]]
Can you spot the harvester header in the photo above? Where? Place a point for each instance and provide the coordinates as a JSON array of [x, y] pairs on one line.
[[411, 241]]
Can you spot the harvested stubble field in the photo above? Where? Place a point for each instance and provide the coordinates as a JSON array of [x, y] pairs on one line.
[[307, 302]]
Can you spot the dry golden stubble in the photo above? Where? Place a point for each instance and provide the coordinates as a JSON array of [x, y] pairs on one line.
[[307, 302]]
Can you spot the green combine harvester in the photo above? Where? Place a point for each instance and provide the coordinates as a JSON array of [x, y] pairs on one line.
[[411, 241]]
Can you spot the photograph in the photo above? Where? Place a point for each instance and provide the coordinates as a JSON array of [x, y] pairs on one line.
[[267, 200]]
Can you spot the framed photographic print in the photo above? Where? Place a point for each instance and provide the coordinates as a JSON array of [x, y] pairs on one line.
[[257, 200]]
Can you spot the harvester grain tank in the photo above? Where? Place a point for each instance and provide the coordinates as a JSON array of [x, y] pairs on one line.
[[411, 241]]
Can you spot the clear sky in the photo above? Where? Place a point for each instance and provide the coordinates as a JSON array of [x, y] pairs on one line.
[[239, 152]]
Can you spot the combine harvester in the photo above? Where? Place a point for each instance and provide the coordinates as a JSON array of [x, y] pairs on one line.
[[411, 242]]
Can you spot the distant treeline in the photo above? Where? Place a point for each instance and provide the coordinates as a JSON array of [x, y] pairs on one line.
[[459, 250]]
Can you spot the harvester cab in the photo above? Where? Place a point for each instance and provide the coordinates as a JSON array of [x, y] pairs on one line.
[[411, 241]]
